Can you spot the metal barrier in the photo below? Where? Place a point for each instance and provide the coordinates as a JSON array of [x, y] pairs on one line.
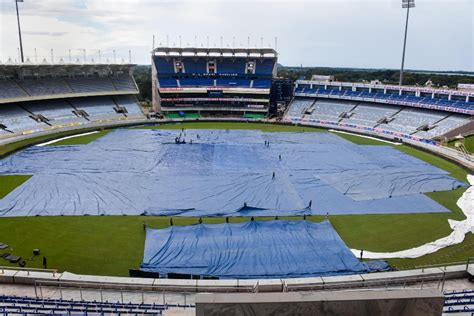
[[28, 270]]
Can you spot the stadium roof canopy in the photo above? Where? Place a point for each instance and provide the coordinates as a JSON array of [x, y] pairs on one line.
[[196, 51]]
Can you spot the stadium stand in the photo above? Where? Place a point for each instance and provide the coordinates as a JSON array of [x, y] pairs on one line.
[[45, 86], [56, 111], [42, 306], [330, 110], [91, 84], [422, 123], [10, 89], [224, 81], [53, 96], [17, 119], [459, 302], [409, 120], [98, 108], [448, 100], [369, 115]]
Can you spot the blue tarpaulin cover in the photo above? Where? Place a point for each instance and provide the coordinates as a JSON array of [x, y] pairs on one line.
[[254, 249], [145, 172]]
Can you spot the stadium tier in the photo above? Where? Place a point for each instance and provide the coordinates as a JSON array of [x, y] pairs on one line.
[[36, 98], [397, 119], [212, 80], [436, 99]]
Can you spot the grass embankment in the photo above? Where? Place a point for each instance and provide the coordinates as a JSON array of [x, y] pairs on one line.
[[110, 245]]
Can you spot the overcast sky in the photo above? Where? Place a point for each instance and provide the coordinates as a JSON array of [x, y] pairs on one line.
[[332, 33]]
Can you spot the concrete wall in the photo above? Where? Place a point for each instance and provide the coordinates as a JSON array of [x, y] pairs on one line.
[[397, 302]]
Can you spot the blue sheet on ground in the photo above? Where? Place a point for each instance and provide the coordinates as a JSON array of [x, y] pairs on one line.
[[254, 249], [145, 172]]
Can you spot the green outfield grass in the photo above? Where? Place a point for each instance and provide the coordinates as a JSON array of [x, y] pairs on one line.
[[8, 183], [81, 140], [110, 245]]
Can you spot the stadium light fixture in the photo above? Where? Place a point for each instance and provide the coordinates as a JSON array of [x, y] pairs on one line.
[[406, 4], [19, 30]]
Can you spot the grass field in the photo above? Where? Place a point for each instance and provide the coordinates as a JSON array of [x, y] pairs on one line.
[[81, 140], [8, 183], [110, 245]]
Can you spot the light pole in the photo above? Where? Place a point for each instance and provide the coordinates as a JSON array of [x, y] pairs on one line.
[[19, 30], [406, 4]]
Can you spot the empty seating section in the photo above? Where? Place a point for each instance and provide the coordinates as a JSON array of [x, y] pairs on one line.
[[56, 111], [459, 302], [299, 106], [226, 66], [409, 119], [49, 86], [79, 85], [168, 82], [41, 306], [442, 127], [196, 82], [164, 65], [10, 89], [400, 119], [264, 66], [17, 120], [234, 82], [262, 83], [124, 83], [98, 108], [130, 103], [192, 66], [369, 115], [329, 110], [390, 97], [36, 87]]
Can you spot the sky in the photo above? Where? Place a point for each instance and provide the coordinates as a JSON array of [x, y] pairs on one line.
[[322, 33]]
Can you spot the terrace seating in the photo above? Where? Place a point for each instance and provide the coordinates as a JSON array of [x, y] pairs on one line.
[[79, 85], [37, 306], [445, 125], [329, 110], [368, 114], [410, 119], [17, 120], [299, 106], [129, 102], [459, 302], [226, 66], [124, 83], [264, 66], [36, 87], [168, 83], [56, 111], [10, 89], [98, 108]]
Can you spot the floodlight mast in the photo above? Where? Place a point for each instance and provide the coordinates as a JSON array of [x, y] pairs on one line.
[[19, 30], [406, 4]]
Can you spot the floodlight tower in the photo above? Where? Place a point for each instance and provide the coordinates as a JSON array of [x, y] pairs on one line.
[[406, 4], [19, 30]]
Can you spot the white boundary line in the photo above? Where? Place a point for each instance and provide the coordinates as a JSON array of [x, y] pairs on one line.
[[370, 137], [67, 137]]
